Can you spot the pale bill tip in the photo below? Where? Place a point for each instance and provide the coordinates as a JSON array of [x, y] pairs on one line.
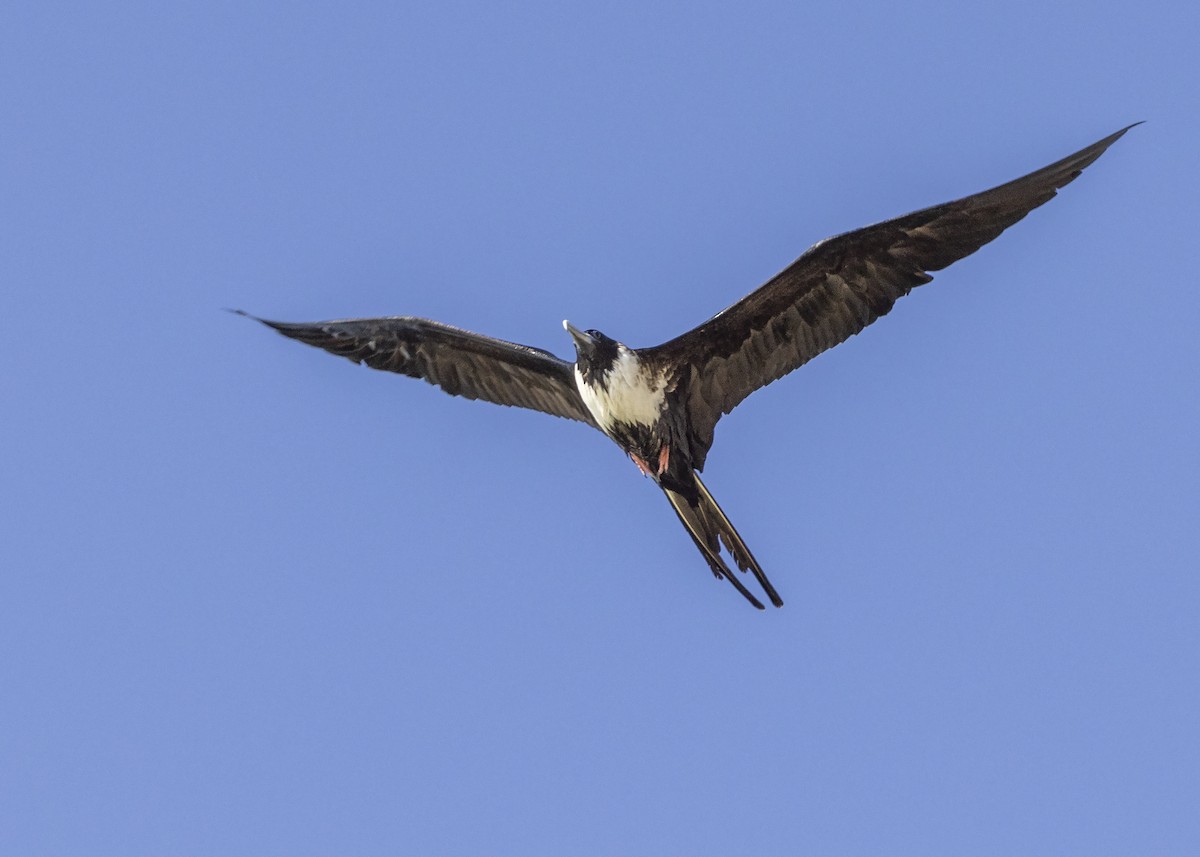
[[566, 325]]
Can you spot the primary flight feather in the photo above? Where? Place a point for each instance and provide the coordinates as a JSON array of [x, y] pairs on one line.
[[661, 404]]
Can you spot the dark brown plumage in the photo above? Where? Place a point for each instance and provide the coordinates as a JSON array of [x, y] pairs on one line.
[[460, 362], [661, 404], [837, 288]]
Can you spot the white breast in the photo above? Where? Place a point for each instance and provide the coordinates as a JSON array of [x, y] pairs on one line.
[[626, 395]]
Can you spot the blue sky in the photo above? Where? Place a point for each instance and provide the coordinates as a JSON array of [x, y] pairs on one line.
[[259, 601]]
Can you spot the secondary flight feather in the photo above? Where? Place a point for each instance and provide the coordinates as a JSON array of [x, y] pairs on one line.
[[661, 404]]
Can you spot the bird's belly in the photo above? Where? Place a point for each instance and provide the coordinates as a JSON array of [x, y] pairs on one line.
[[624, 397], [631, 407]]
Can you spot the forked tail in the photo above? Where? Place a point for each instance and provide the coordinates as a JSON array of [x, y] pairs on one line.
[[710, 528]]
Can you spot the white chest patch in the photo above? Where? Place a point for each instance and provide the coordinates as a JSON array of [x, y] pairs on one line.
[[626, 395]]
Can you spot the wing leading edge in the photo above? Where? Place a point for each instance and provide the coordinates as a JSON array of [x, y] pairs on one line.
[[837, 288], [462, 363]]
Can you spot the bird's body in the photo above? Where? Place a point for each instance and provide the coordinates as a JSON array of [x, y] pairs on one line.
[[629, 400], [625, 393], [661, 404]]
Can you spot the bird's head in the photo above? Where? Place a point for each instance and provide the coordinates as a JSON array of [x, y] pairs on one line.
[[595, 353]]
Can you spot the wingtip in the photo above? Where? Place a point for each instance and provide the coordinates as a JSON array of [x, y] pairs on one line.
[[1119, 134], [274, 325], [244, 314]]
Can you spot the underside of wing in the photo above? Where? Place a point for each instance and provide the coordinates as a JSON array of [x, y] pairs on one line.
[[837, 288], [460, 362]]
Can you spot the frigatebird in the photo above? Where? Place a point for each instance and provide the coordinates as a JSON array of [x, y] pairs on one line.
[[661, 404]]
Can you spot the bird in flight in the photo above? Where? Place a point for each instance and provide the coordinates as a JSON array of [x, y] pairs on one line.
[[661, 404]]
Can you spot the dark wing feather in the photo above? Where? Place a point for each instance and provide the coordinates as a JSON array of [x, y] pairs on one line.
[[837, 288], [460, 362]]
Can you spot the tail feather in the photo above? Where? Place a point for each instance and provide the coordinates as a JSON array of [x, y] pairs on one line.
[[710, 528], [734, 544]]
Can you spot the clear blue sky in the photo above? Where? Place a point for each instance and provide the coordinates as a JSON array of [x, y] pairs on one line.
[[257, 601]]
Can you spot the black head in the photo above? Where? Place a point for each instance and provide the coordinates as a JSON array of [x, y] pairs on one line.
[[595, 353]]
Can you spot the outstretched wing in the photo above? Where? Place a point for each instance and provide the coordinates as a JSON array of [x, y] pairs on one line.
[[837, 288], [460, 362]]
